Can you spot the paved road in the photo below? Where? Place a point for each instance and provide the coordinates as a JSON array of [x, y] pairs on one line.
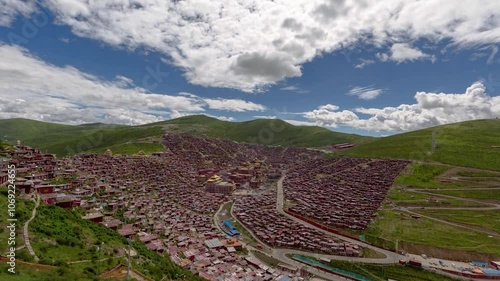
[[25, 230], [280, 253], [390, 257], [297, 264]]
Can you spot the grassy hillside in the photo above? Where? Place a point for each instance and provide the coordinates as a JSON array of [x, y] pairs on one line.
[[61, 237], [67, 140], [264, 131], [463, 144]]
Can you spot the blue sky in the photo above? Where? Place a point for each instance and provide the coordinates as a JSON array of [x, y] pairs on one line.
[[337, 64]]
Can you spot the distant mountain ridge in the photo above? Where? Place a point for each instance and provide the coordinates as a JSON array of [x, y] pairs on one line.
[[97, 137], [469, 143]]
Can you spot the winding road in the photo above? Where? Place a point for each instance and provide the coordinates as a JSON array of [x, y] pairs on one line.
[[281, 253], [390, 257]]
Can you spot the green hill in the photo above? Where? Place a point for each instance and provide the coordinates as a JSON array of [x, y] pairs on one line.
[[265, 131], [63, 239], [463, 144], [67, 139]]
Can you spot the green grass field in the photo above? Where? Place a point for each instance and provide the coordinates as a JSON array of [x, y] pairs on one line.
[[424, 176], [487, 219], [392, 226], [474, 194], [412, 199], [477, 174], [466, 144]]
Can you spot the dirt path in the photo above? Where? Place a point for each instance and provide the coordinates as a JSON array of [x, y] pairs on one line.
[[493, 206], [477, 229], [103, 259], [26, 233]]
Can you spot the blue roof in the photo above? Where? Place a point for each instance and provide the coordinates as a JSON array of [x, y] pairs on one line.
[[228, 224], [491, 272], [284, 278]]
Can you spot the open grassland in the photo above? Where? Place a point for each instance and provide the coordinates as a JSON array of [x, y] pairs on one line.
[[387, 272], [414, 199], [486, 219], [97, 140], [477, 174], [424, 176], [467, 144], [476, 236], [392, 226], [473, 194]]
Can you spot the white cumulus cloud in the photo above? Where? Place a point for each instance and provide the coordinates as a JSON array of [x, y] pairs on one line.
[[402, 52], [12, 8], [430, 109], [251, 44], [34, 89], [233, 105]]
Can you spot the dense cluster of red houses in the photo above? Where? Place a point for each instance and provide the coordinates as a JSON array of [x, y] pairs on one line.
[[38, 171], [341, 192], [259, 214], [168, 199]]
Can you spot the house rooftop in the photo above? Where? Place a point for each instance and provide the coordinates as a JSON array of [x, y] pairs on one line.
[[213, 243]]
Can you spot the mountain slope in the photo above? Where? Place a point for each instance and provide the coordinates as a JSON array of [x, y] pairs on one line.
[[60, 237], [265, 131], [463, 144], [67, 140]]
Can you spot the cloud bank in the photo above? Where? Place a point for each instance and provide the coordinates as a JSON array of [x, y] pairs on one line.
[[430, 109], [251, 44], [31, 88]]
